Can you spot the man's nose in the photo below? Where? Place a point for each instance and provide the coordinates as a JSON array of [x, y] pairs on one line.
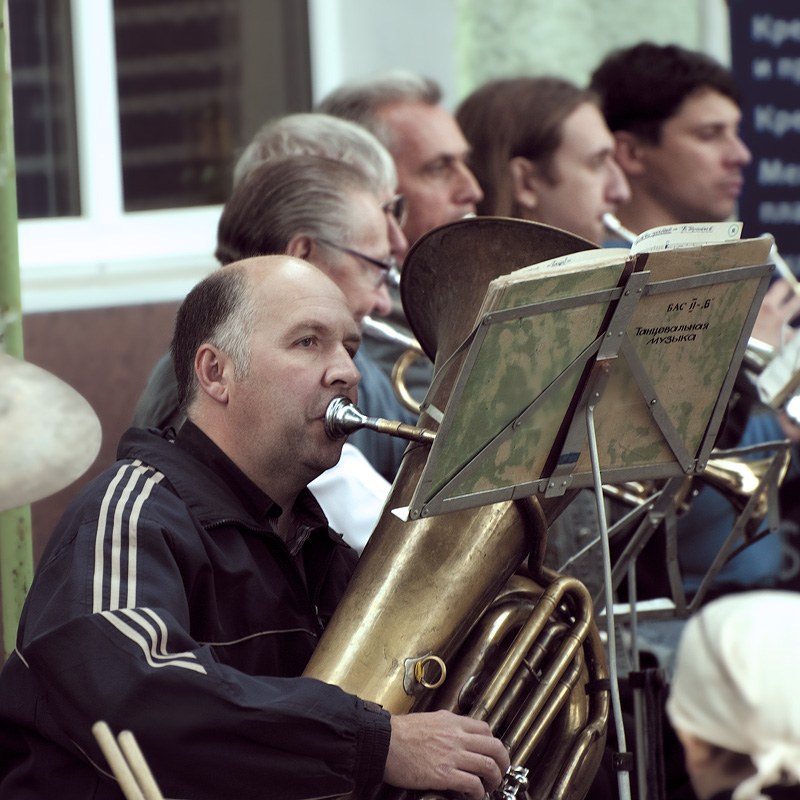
[[398, 244], [618, 190], [383, 302], [468, 189], [738, 152], [343, 369]]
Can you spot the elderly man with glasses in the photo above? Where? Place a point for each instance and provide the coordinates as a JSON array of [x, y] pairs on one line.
[[341, 214]]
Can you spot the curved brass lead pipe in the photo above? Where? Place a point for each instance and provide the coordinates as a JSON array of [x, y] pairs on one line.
[[413, 351], [406, 359]]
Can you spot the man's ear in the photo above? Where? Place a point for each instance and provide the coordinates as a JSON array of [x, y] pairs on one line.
[[629, 153], [214, 372], [523, 182], [300, 246]]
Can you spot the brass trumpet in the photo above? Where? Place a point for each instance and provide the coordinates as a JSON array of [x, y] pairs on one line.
[[616, 228], [739, 479], [736, 478]]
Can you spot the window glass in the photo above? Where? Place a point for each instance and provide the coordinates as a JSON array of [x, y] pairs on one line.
[[43, 94], [196, 79]]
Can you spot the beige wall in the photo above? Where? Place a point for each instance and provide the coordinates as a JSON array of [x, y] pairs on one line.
[[106, 355], [567, 38]]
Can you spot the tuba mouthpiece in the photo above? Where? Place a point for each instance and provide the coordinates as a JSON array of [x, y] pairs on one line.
[[343, 418]]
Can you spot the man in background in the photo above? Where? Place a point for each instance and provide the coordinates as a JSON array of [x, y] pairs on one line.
[[404, 112], [542, 151], [675, 115]]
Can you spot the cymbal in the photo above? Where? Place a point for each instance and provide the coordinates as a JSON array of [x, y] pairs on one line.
[[49, 435]]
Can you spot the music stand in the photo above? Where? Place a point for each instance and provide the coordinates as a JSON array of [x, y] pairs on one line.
[[655, 337], [513, 425]]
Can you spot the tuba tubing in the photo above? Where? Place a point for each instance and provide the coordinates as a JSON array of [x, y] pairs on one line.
[[412, 352], [422, 586], [418, 589]]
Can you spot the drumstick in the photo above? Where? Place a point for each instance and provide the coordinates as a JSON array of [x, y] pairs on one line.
[[116, 760], [139, 766]]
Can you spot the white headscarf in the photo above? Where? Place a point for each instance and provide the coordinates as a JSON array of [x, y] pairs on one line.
[[736, 683]]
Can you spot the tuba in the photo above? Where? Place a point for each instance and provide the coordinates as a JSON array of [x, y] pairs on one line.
[[441, 611]]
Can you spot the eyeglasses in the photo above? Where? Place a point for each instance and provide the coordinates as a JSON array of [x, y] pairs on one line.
[[390, 268], [397, 207]]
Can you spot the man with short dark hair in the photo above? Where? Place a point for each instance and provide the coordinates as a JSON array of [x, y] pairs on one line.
[[675, 115], [184, 590]]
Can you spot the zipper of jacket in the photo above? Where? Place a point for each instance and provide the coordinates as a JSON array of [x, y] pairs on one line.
[[312, 601], [315, 599]]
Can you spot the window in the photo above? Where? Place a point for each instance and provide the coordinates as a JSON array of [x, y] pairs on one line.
[[195, 81], [129, 116], [44, 109]]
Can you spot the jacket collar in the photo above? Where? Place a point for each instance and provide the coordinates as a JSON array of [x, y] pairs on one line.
[[211, 485]]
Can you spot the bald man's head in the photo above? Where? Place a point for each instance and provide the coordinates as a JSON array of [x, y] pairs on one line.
[[222, 310]]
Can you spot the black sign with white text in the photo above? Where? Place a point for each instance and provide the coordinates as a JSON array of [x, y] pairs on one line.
[[765, 50]]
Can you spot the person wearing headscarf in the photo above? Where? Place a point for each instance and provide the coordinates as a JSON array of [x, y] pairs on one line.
[[734, 702]]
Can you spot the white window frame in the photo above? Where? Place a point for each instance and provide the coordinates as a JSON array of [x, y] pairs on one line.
[[109, 257]]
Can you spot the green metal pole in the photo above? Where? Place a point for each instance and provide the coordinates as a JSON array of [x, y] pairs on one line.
[[16, 547]]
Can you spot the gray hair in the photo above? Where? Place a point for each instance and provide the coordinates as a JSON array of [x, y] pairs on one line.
[[321, 135], [284, 198], [361, 101], [220, 310]]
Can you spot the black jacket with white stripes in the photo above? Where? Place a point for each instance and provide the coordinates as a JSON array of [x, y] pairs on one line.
[[165, 604]]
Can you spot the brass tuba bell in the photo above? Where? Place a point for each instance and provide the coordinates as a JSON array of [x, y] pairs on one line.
[[438, 612]]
